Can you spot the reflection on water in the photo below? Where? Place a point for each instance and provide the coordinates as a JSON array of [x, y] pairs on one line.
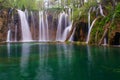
[[64, 52], [42, 71], [24, 58], [41, 61], [8, 47], [89, 61]]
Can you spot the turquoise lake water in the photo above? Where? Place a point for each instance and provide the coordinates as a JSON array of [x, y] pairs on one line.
[[58, 61]]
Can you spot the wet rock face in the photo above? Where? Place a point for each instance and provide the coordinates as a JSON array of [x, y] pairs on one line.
[[3, 24], [11, 21], [115, 35], [116, 39], [33, 21], [52, 24], [81, 32]]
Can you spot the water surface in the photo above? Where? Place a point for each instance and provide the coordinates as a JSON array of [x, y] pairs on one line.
[[41, 61]]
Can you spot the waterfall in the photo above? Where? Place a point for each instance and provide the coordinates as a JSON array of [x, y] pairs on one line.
[[26, 34], [71, 38], [26, 13], [105, 41], [88, 36], [66, 20], [98, 1], [61, 26], [15, 33], [29, 31], [66, 31], [47, 31], [69, 11], [43, 27], [89, 17], [8, 36], [101, 10], [33, 25], [85, 1]]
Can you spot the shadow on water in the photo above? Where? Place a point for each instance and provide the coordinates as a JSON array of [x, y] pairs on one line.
[[41, 61]]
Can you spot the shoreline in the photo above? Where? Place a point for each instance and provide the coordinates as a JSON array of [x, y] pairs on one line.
[[58, 42]]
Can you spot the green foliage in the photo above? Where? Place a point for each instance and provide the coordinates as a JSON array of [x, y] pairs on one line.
[[98, 30], [20, 4], [83, 10], [76, 14], [117, 9]]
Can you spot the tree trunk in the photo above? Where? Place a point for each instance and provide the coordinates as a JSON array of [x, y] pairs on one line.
[[105, 32]]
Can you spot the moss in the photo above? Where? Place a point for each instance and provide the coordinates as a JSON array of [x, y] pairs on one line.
[[67, 42], [99, 27]]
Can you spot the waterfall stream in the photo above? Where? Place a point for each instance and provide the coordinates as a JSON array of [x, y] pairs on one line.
[[33, 24], [32, 30], [60, 26], [101, 10], [64, 26], [8, 35], [105, 41], [15, 33], [26, 34], [88, 37], [43, 27], [66, 31], [89, 17]]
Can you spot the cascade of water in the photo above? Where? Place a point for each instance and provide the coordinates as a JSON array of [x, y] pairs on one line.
[[101, 10], [26, 13], [69, 12], [26, 34], [43, 27], [66, 31], [15, 33], [105, 41], [33, 25], [8, 36], [71, 38], [89, 17], [69, 16], [68, 26], [88, 36], [66, 20], [58, 35], [64, 26], [85, 0], [47, 31], [61, 26]]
